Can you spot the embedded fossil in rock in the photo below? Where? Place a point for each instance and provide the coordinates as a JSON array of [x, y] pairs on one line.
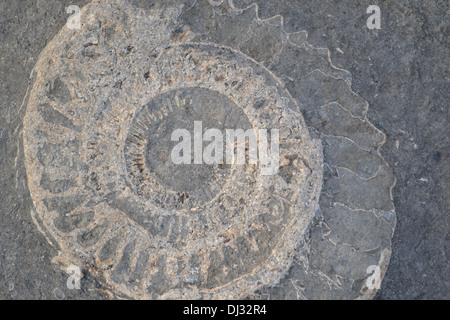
[[104, 102]]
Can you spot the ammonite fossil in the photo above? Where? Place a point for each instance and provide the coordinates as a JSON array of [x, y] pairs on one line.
[[103, 104]]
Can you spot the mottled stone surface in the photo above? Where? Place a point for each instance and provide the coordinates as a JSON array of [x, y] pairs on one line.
[[357, 182]]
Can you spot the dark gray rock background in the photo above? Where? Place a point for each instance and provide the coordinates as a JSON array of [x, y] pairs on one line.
[[401, 70]]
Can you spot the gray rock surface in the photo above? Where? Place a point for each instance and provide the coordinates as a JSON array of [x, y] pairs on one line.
[[399, 70]]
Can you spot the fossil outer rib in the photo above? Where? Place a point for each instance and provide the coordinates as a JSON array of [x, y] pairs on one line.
[[104, 102]]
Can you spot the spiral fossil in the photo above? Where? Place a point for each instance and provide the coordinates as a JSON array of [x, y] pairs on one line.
[[104, 97]]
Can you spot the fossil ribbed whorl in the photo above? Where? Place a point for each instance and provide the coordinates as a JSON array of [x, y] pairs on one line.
[[103, 105]]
